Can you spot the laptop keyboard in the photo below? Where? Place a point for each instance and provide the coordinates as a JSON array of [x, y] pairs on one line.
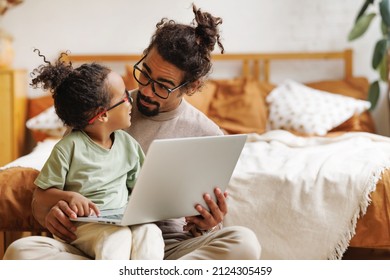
[[112, 217]]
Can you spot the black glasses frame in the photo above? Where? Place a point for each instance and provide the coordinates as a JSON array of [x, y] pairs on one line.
[[152, 82]]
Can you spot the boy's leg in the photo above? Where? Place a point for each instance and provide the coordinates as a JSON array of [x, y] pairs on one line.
[[104, 242], [148, 243]]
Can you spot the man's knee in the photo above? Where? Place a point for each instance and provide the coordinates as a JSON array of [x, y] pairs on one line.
[[41, 248], [15, 250], [248, 246]]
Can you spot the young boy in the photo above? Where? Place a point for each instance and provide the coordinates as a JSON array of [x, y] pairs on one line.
[[95, 166]]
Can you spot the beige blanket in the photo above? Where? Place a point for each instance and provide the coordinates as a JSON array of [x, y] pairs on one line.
[[303, 196]]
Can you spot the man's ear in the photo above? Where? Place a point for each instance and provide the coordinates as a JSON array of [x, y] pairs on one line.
[[194, 86]]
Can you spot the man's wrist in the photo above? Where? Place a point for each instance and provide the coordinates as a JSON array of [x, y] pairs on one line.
[[213, 229]]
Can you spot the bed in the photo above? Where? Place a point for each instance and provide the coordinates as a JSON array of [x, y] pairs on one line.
[[312, 181]]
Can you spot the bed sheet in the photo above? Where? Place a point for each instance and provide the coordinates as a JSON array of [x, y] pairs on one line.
[[37, 158], [311, 214]]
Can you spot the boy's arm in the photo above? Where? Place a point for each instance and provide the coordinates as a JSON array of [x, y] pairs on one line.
[[77, 202], [51, 196]]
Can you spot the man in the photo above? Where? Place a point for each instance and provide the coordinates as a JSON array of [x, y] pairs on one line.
[[176, 62]]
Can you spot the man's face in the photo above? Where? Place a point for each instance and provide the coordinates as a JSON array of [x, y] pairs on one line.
[[167, 75]]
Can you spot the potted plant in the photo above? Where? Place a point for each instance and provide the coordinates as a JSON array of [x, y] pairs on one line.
[[380, 58]]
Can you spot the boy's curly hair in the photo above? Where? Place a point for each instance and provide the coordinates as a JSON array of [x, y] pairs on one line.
[[78, 93]]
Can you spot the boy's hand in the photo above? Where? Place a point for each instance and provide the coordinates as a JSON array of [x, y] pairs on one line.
[[82, 206], [58, 223]]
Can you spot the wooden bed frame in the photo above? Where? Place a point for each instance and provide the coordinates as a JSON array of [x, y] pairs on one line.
[[257, 65]]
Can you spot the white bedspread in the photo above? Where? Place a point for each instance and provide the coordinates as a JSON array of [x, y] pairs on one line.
[[37, 158], [303, 196]]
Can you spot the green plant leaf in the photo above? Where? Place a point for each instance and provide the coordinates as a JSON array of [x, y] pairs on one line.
[[373, 94], [382, 69], [364, 8], [384, 28], [379, 51], [384, 9], [361, 26]]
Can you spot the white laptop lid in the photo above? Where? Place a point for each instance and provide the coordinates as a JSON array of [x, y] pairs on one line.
[[177, 172]]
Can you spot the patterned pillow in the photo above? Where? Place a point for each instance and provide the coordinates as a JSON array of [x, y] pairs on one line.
[[47, 122], [294, 106]]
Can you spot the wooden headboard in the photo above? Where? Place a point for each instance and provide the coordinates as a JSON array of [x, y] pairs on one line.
[[257, 65]]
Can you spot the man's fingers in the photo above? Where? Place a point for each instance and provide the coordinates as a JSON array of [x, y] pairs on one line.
[[59, 224]]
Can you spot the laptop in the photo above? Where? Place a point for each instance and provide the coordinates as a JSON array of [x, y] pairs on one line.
[[175, 175]]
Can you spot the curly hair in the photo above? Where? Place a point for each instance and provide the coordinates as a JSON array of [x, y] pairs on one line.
[[78, 93], [188, 47]]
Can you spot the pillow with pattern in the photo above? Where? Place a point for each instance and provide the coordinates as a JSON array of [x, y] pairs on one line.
[[296, 107], [47, 122]]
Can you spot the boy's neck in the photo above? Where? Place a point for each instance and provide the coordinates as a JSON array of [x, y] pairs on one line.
[[101, 136]]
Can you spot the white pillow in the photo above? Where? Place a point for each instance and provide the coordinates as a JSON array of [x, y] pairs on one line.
[[294, 106], [47, 122]]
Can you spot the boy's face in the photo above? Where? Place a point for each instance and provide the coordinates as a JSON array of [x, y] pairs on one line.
[[119, 117]]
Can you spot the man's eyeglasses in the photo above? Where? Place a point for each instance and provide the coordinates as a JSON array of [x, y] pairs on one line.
[[158, 88], [127, 98]]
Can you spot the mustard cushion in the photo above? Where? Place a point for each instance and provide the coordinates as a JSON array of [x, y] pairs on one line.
[[202, 99], [128, 78], [16, 190], [239, 105], [355, 87]]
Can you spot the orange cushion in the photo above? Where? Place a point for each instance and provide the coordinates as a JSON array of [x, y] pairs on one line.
[[128, 78], [354, 87], [16, 190], [202, 99], [363, 122], [239, 105]]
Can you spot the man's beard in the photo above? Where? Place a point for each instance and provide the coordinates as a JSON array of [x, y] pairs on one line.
[[146, 110]]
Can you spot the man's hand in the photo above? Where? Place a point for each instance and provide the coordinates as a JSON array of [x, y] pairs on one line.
[[53, 211], [208, 220], [58, 223]]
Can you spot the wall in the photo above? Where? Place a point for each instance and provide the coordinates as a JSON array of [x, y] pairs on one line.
[[125, 26]]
